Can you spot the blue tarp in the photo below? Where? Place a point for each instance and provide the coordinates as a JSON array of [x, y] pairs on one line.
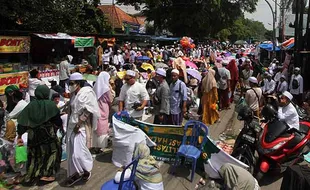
[[268, 47]]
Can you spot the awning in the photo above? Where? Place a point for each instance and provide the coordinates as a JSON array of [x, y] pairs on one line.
[[288, 44], [268, 47], [58, 36]]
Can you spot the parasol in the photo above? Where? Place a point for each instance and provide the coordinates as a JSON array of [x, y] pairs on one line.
[[147, 66], [90, 77], [194, 73], [191, 64], [121, 74], [240, 42], [198, 60], [143, 58], [161, 65]]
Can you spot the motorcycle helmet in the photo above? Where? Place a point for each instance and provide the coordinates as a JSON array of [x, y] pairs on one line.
[[245, 113], [269, 112]]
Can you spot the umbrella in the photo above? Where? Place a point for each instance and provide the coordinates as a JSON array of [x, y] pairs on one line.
[[121, 74], [191, 64], [160, 65], [143, 58], [240, 42], [147, 66], [198, 60], [90, 77], [194, 73]]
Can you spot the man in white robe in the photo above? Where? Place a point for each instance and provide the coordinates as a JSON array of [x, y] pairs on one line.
[[83, 116]]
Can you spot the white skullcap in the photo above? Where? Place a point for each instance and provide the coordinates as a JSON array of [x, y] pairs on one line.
[[288, 95], [131, 73], [176, 71], [180, 54], [225, 62], [283, 76], [161, 72], [253, 80], [76, 76], [247, 60], [297, 69], [70, 57]]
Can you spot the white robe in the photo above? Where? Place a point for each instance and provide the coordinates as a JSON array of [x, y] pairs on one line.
[[79, 157], [300, 88]]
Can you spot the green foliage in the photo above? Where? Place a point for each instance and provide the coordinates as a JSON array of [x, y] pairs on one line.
[[199, 18], [244, 29], [52, 16]]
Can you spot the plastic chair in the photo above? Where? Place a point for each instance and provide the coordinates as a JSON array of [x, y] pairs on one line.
[[123, 116], [192, 149], [123, 185]]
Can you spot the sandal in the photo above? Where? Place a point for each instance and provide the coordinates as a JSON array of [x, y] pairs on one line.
[[47, 179], [73, 179]]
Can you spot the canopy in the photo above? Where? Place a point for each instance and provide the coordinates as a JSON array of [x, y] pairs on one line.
[[58, 36], [268, 47], [194, 73], [288, 44]]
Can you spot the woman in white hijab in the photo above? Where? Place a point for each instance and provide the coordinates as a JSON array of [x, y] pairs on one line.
[[103, 91]]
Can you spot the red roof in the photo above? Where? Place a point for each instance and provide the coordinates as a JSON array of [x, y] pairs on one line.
[[117, 16]]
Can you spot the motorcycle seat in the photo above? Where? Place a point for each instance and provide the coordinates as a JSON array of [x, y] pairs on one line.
[[297, 139], [304, 128]]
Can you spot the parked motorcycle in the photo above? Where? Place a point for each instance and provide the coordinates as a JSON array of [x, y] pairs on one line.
[[275, 144], [278, 145], [245, 144]]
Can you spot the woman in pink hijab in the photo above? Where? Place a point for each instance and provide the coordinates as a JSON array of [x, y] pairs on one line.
[[103, 91]]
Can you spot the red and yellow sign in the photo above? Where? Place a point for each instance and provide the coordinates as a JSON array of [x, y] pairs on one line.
[[14, 44], [20, 79]]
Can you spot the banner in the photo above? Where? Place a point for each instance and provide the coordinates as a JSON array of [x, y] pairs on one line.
[[81, 42], [19, 79], [168, 139], [14, 44], [110, 41]]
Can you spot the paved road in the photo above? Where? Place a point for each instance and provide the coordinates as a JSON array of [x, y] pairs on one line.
[[103, 169]]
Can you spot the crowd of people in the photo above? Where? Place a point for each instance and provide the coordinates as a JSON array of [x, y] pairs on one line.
[[168, 83]]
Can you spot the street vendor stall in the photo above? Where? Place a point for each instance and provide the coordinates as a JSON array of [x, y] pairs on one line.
[[14, 54]]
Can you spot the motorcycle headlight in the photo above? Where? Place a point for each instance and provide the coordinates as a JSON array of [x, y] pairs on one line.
[[269, 150]]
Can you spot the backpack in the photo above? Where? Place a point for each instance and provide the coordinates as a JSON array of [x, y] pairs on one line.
[[295, 84]]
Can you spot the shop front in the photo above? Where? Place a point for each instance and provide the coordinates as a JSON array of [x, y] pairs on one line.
[[14, 59]]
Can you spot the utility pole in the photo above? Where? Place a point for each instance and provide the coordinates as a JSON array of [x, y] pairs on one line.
[[273, 26]]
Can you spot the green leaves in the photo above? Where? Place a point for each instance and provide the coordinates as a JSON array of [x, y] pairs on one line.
[[196, 18], [53, 16]]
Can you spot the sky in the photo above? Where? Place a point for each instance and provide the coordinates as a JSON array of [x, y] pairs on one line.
[[262, 13]]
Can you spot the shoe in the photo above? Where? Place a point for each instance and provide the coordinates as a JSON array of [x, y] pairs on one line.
[[86, 176], [72, 180]]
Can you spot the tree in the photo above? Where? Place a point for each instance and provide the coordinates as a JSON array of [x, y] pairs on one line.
[[199, 18], [245, 29], [53, 16]]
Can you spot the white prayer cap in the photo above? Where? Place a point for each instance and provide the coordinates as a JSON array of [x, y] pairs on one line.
[[225, 62], [131, 73], [70, 57], [76, 76], [283, 76], [180, 54], [288, 95], [247, 60], [297, 69], [161, 72], [253, 80], [176, 71]]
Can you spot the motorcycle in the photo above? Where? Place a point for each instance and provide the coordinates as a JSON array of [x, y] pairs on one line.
[[271, 139], [245, 144], [278, 145]]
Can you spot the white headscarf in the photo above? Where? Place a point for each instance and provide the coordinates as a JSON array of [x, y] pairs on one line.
[[102, 84]]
